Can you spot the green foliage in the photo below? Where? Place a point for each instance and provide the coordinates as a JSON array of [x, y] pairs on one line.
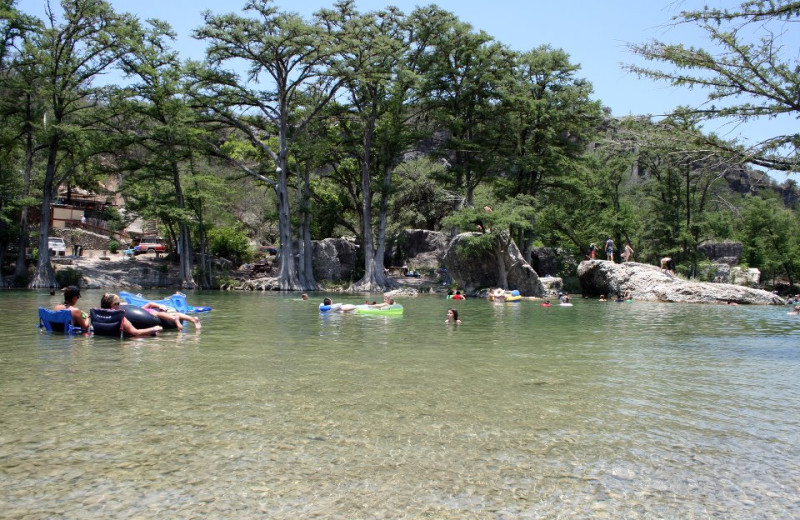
[[113, 246], [231, 243], [751, 71], [706, 271], [483, 126], [769, 237], [113, 218], [419, 201]]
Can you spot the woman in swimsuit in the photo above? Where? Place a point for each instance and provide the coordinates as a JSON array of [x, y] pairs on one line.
[[71, 296]]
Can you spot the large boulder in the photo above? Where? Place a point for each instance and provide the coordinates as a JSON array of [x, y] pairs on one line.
[[473, 272], [721, 252], [419, 249], [545, 261], [750, 277], [647, 282], [334, 259]]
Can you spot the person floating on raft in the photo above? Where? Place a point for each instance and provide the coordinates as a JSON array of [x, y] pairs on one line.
[[110, 320], [327, 305], [162, 313], [387, 302]]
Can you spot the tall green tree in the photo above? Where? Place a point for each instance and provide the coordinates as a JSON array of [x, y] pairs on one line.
[[286, 58], [463, 72], [748, 72], [549, 122], [683, 176], [378, 65], [69, 54], [769, 239], [160, 125], [16, 135]]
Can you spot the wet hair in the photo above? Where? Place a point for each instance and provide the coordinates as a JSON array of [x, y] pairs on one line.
[[71, 292], [109, 300], [326, 301], [455, 314]]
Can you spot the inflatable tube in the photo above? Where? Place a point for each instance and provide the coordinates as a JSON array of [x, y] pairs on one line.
[[514, 297], [140, 318], [176, 302], [328, 308], [394, 310]]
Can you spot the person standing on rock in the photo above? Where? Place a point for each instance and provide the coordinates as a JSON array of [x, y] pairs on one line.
[[627, 253], [610, 249], [668, 266], [592, 250]]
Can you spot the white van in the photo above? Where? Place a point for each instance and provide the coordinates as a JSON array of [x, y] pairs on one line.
[[57, 246]]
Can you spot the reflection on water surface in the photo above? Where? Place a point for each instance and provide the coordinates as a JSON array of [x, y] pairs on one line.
[[273, 410]]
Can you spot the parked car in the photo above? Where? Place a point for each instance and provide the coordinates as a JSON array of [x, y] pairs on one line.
[[57, 246], [150, 245]]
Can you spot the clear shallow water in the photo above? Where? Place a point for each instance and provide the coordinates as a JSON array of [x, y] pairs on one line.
[[602, 410]]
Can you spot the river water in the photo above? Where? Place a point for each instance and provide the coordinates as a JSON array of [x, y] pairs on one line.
[[273, 410]]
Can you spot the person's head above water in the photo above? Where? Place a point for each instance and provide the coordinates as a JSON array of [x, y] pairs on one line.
[[70, 293]]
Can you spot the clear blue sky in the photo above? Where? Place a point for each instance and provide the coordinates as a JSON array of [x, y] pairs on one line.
[[594, 33]]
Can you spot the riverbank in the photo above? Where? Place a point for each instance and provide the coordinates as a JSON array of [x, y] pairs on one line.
[[100, 269]]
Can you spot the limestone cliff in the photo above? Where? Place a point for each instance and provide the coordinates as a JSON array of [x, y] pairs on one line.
[[647, 282]]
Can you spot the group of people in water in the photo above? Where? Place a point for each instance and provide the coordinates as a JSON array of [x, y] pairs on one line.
[[112, 301]]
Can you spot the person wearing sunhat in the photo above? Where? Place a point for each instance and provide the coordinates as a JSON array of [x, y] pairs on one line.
[[71, 296]]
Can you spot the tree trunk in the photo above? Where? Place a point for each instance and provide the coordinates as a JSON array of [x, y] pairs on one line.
[[287, 277], [374, 279], [184, 235], [306, 247], [186, 260], [45, 274], [500, 256], [21, 268], [206, 267]]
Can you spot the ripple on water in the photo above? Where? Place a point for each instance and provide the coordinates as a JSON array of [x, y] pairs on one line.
[[275, 411]]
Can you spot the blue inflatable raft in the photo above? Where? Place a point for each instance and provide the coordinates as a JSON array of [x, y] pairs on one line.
[[177, 301]]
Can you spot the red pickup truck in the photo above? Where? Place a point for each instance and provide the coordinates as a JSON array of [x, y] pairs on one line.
[[150, 245]]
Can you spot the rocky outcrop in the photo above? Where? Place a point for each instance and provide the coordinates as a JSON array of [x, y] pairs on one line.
[[721, 252], [118, 271], [750, 277], [419, 249], [647, 282], [544, 261], [473, 272], [552, 285], [334, 259]]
